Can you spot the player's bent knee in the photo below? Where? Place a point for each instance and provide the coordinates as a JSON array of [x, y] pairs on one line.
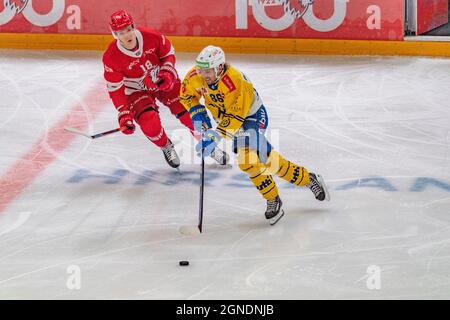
[[147, 116], [247, 156], [149, 122]]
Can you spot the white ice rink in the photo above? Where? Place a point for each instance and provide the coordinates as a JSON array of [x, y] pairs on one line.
[[108, 210]]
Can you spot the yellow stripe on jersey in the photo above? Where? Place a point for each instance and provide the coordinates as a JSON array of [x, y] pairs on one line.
[[229, 101]]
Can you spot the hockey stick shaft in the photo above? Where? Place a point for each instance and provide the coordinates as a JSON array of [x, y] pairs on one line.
[[202, 186], [190, 230], [95, 136], [102, 134]]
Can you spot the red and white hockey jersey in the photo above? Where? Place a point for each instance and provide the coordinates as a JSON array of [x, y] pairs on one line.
[[125, 70]]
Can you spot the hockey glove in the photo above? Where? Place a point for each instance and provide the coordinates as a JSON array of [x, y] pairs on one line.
[[126, 120], [200, 118], [168, 76], [209, 142], [148, 84]]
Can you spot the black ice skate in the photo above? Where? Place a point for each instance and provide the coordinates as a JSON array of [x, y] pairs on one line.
[[318, 187], [220, 156], [171, 155], [274, 211]]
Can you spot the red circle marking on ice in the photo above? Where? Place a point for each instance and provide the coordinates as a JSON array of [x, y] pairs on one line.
[[22, 173]]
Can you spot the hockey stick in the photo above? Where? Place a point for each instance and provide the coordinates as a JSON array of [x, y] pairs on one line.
[[101, 134], [202, 187], [95, 136], [195, 230]]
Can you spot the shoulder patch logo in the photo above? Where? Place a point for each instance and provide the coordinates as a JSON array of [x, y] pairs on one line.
[[229, 83], [225, 122]]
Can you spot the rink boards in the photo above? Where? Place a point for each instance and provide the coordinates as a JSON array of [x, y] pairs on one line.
[[238, 45]]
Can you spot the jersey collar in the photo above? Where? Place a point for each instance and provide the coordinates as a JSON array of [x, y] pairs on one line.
[[138, 52]]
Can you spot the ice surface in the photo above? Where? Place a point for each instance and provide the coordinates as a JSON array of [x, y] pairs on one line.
[[377, 129]]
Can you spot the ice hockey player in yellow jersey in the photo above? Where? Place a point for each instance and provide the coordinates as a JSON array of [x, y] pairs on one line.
[[241, 116]]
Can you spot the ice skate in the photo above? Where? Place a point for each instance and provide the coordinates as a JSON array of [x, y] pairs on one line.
[[171, 155], [220, 156], [274, 212], [318, 187]]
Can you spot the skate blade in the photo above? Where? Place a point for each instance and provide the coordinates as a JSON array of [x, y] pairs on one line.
[[277, 218], [324, 186], [189, 230]]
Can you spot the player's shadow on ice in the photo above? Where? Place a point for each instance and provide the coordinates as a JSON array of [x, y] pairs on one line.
[[307, 211], [291, 215], [303, 215]]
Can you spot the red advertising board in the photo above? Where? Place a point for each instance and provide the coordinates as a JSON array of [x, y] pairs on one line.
[[431, 14], [320, 19]]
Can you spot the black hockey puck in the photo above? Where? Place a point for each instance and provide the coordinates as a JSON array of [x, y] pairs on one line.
[[184, 263]]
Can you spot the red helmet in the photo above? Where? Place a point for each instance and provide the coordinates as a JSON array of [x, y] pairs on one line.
[[120, 20]]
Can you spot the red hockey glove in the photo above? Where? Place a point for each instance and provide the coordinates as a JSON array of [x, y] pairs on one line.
[[126, 120], [168, 76], [149, 84]]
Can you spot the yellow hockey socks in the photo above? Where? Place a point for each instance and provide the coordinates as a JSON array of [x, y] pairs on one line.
[[249, 162], [287, 170]]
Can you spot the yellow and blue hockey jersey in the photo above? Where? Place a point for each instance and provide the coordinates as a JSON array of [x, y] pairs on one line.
[[230, 101]]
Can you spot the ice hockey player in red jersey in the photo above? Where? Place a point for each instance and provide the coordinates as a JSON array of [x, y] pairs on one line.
[[139, 68]]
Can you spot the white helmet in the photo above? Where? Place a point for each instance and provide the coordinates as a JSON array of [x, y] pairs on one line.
[[210, 57]]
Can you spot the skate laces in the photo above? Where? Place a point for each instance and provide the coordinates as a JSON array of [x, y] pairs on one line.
[[220, 156], [314, 185], [272, 205], [169, 152], [217, 154]]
